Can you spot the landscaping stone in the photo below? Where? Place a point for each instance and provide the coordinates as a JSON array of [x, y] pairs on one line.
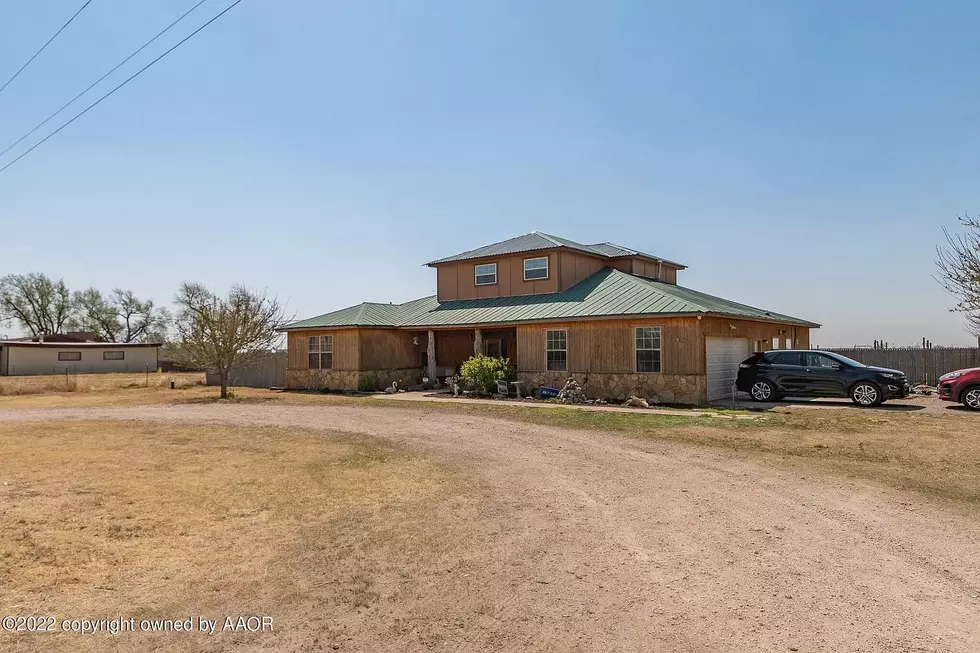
[[688, 389]]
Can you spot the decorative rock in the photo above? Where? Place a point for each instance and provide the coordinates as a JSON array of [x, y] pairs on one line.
[[572, 392]]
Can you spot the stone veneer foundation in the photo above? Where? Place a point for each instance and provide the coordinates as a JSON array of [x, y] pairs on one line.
[[350, 379], [691, 389]]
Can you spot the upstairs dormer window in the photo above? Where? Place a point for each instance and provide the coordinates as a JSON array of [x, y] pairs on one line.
[[486, 275], [535, 268]]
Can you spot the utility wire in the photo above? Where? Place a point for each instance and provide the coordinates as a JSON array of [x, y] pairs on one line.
[[7, 83], [126, 81], [96, 82]]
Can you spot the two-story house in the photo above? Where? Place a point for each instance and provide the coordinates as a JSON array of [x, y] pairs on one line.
[[611, 316]]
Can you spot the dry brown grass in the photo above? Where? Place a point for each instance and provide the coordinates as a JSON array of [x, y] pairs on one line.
[[935, 451], [106, 518], [55, 383]]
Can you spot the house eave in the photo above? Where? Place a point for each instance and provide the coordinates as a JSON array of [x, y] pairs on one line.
[[556, 320]]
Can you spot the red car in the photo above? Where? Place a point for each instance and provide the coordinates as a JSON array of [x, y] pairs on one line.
[[962, 386]]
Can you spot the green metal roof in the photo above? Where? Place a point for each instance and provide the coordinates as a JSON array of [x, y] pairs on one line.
[[537, 241], [607, 293], [366, 314]]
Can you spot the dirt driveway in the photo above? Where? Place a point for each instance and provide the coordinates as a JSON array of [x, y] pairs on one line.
[[577, 541]]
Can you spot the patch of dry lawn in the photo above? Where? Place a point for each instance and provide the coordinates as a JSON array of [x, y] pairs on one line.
[[62, 385], [107, 518]]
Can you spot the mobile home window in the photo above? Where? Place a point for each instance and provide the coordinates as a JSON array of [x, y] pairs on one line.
[[535, 268], [113, 355], [486, 274], [69, 355], [321, 352], [648, 349], [557, 350]]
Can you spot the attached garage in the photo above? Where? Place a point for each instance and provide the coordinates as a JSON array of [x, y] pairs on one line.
[[722, 357]]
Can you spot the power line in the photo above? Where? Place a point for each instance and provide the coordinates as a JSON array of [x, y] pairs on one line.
[[96, 82], [7, 83], [126, 81]]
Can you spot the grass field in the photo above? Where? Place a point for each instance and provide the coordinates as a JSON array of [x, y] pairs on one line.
[[104, 518]]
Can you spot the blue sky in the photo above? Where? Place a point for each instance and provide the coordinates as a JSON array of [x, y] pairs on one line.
[[802, 157]]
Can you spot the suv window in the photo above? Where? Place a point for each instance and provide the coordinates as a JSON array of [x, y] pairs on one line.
[[819, 360], [785, 358]]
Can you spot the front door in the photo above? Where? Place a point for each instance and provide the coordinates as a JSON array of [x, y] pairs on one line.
[[492, 347]]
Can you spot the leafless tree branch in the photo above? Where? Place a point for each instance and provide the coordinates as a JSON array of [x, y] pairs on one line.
[[216, 333], [958, 262]]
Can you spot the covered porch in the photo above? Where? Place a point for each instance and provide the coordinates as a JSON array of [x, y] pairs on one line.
[[443, 351]]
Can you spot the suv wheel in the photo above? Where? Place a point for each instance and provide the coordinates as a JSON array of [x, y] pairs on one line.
[[762, 390], [971, 397], [866, 394]]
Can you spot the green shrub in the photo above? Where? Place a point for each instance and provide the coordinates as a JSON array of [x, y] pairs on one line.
[[367, 382], [482, 373]]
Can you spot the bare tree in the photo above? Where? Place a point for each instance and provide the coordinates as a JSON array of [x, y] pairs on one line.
[[959, 270], [216, 333], [37, 303], [120, 317]]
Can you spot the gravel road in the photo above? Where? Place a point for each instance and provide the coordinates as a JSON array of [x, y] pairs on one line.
[[596, 542]]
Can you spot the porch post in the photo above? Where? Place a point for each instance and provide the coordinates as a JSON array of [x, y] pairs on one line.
[[477, 342], [431, 355]]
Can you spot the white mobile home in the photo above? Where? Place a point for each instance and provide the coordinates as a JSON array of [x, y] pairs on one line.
[[19, 358]]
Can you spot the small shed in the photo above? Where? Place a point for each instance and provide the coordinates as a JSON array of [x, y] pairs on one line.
[[27, 358]]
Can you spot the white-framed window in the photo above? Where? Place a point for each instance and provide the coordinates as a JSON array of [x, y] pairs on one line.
[[69, 355], [788, 342], [556, 350], [775, 342], [113, 355], [648, 349], [321, 352], [486, 274], [535, 268]]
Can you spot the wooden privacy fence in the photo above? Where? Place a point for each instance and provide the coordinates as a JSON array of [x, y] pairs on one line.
[[266, 372], [921, 365]]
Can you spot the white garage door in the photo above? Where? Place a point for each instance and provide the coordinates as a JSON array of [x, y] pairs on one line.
[[722, 356]]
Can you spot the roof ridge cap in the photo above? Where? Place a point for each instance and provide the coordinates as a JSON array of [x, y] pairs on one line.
[[549, 238]]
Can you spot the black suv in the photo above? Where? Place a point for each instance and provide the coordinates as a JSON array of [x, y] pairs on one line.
[[771, 375]]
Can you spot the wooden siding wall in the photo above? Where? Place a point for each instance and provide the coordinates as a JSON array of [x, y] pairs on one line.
[[607, 346], [574, 267], [346, 349], [651, 270], [763, 332], [458, 280], [601, 346], [453, 347], [565, 269], [389, 349]]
